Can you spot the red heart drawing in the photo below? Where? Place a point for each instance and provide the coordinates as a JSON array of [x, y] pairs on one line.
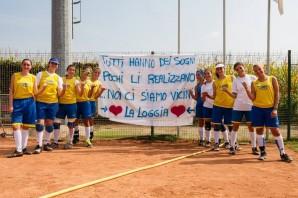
[[115, 109], [178, 110]]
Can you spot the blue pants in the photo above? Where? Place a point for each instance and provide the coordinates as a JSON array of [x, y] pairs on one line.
[[24, 112], [46, 110], [219, 113], [69, 110], [237, 116], [84, 110], [262, 117]]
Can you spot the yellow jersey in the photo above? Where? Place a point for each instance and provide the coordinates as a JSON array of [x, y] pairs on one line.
[[69, 96], [85, 91], [222, 99], [264, 93], [50, 94], [23, 86], [97, 87]]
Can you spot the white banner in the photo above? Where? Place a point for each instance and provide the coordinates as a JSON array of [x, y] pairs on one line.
[[148, 90]]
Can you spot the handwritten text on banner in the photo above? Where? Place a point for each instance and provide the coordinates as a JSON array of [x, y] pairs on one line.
[[148, 90]]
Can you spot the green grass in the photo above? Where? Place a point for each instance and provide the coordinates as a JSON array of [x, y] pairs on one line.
[[293, 144]]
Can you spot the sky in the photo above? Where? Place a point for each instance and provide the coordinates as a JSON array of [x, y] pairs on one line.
[[145, 25]]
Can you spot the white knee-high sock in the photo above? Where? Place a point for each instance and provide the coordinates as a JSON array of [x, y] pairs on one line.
[[87, 132], [47, 137], [39, 137], [56, 135], [91, 128], [71, 132], [225, 136], [216, 137], [280, 144], [253, 138], [18, 139], [261, 140], [201, 133], [233, 138], [208, 132], [25, 135]]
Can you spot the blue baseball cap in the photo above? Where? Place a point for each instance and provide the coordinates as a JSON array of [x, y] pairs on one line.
[[54, 60]]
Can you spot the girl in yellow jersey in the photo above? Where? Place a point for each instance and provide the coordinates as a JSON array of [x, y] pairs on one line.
[[94, 94], [50, 86], [83, 106], [22, 106], [223, 104], [67, 106], [265, 97]]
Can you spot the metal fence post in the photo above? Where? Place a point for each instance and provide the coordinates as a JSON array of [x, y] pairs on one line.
[[152, 131], [289, 101]]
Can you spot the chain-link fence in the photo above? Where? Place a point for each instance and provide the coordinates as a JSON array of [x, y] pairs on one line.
[[105, 129]]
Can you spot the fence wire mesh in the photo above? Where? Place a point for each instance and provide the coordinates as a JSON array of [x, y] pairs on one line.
[[106, 129]]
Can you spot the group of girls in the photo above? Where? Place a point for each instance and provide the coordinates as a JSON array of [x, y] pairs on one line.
[[229, 101], [45, 100]]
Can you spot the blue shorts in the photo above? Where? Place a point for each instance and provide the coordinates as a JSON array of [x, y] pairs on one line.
[[24, 112], [219, 113], [83, 110], [237, 116], [207, 113], [199, 111], [93, 108], [262, 117], [69, 110], [46, 110]]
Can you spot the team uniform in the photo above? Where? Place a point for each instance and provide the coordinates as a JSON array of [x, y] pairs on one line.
[[93, 99], [67, 108], [97, 87], [263, 106], [242, 107], [24, 108], [47, 103], [207, 109], [84, 109], [222, 107]]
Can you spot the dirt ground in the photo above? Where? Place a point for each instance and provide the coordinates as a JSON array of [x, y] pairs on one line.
[[212, 174]]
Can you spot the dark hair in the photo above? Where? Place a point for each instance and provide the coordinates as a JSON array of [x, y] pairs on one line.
[[238, 63], [69, 67], [26, 59]]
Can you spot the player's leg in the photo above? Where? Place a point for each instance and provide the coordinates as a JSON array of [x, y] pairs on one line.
[[217, 121], [207, 114], [51, 112], [29, 121], [71, 117], [40, 114], [273, 124], [236, 120]]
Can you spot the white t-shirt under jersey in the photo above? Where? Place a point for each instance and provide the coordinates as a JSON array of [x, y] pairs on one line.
[[208, 87], [242, 101]]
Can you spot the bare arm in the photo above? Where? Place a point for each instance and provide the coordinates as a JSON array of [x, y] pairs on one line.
[[90, 93], [251, 94], [99, 92], [11, 92], [276, 96], [78, 89], [82, 86], [233, 95], [194, 95], [61, 92]]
